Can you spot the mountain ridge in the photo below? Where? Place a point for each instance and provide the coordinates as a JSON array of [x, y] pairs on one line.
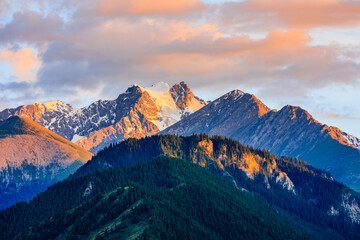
[[291, 131], [32, 158]]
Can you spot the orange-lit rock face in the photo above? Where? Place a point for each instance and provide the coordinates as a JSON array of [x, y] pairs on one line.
[[259, 106], [34, 111], [138, 123], [152, 110], [249, 164], [184, 98], [207, 146]]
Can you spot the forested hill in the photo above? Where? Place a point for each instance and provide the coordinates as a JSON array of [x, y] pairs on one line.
[[308, 193], [165, 199]]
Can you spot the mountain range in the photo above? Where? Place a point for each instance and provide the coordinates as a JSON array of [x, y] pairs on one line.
[[141, 112], [33, 158], [291, 131], [148, 142], [138, 112]]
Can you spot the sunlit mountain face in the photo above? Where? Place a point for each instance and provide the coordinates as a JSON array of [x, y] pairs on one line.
[[182, 119], [33, 158]]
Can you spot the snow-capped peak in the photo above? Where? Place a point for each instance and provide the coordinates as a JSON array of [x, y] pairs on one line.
[[169, 111], [160, 94], [159, 87], [52, 104]]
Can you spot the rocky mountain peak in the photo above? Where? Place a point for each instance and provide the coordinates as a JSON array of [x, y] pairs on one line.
[[180, 87], [134, 88], [220, 117], [139, 112], [244, 102], [295, 112], [184, 98], [182, 95], [234, 93]]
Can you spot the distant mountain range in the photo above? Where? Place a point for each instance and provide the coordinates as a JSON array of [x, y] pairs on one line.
[[141, 112], [33, 158]]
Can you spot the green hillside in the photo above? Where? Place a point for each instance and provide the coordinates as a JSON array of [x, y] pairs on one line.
[[167, 198], [311, 194]]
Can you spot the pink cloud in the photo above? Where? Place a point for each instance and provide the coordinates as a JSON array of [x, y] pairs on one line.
[[24, 61], [145, 7], [264, 14]]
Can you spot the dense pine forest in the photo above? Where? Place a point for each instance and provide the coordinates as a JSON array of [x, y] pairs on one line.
[[165, 199], [314, 192]]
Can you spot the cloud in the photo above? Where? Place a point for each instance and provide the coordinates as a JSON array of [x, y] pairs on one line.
[[107, 45], [13, 93], [145, 7], [30, 26], [336, 115], [280, 59], [119, 52], [264, 14], [4, 6], [24, 62], [113, 52]]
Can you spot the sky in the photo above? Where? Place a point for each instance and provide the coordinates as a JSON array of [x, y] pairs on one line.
[[298, 52]]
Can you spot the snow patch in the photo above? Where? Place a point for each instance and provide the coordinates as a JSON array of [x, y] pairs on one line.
[[351, 207], [351, 139], [51, 105], [88, 190], [159, 87], [169, 116], [333, 212], [285, 182], [168, 111], [76, 138]]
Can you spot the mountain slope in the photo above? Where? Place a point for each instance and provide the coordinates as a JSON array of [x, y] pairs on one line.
[[137, 113], [32, 158], [290, 132], [232, 111], [165, 199], [294, 186]]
